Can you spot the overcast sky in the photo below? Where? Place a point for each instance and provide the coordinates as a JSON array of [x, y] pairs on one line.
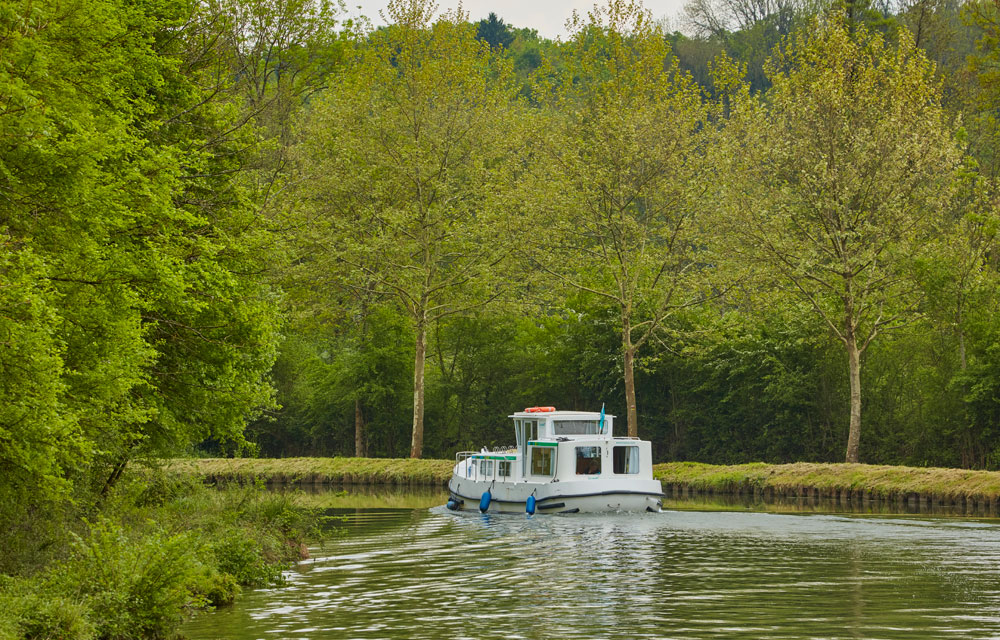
[[547, 16]]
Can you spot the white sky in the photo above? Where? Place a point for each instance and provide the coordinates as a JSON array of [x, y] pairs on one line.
[[547, 16]]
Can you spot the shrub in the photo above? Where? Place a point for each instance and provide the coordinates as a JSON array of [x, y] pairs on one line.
[[241, 555], [161, 549], [137, 586], [29, 608], [219, 589]]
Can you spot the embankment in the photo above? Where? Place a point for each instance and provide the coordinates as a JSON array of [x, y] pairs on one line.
[[844, 482], [391, 471], [917, 486]]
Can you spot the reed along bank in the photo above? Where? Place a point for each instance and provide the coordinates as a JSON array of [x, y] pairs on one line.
[[894, 484]]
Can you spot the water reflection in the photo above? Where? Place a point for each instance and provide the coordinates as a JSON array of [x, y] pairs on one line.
[[435, 574]]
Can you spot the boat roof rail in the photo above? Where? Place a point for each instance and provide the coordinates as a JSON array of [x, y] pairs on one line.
[[565, 414]]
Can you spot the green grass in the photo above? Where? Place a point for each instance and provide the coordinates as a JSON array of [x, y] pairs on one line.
[[877, 480], [392, 471]]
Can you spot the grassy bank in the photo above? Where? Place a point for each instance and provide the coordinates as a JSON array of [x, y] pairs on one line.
[[798, 479], [877, 482], [392, 471]]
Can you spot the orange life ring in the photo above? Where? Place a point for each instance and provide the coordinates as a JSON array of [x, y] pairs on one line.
[[539, 409]]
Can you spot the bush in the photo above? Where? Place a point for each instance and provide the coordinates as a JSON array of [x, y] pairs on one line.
[[219, 589], [240, 555], [31, 609], [138, 586], [162, 549]]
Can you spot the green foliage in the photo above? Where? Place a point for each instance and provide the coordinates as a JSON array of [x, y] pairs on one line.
[[219, 589], [147, 278], [241, 556], [494, 32], [319, 379], [48, 442], [762, 383], [33, 609], [130, 248], [164, 548], [981, 386], [620, 177], [835, 183], [134, 586], [405, 160]]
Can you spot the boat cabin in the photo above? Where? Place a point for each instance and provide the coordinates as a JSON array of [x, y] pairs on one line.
[[554, 446]]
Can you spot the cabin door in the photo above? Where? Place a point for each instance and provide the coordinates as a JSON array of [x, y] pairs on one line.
[[526, 432]]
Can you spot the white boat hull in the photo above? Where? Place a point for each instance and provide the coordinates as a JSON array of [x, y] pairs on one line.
[[583, 496]]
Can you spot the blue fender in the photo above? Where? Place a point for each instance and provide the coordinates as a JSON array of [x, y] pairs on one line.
[[484, 502], [529, 506]]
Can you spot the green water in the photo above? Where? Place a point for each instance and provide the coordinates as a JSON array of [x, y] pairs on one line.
[[429, 573]]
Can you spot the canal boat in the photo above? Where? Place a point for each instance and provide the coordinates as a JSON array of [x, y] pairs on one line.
[[563, 462]]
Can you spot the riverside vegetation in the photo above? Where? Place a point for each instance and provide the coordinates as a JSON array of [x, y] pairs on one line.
[[161, 547], [887, 482], [252, 227]]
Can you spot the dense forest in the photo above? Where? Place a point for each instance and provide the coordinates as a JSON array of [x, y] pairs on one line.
[[253, 227], [772, 238]]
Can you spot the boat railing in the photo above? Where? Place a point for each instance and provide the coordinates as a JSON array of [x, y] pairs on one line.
[[462, 455]]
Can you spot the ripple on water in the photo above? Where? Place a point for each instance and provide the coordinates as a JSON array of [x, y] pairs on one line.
[[436, 574]]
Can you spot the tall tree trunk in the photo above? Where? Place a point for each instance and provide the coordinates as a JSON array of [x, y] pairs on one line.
[[960, 329], [417, 444], [968, 448], [854, 363], [630, 407], [359, 430]]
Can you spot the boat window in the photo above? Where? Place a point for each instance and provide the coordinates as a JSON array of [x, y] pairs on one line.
[[472, 469], [588, 461], [503, 469], [541, 461], [531, 429], [486, 468], [575, 427], [626, 459], [519, 433]]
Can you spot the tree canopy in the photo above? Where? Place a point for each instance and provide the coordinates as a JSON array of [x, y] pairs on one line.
[[248, 227]]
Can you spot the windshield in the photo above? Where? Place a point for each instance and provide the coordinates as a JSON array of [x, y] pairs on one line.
[[575, 427]]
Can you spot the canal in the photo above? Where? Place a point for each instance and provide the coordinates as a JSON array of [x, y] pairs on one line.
[[399, 566]]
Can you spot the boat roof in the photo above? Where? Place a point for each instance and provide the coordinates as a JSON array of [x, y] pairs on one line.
[[565, 415]]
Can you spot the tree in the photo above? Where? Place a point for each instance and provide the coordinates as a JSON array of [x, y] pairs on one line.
[[405, 160], [495, 32], [621, 156], [721, 17], [834, 185], [134, 316]]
